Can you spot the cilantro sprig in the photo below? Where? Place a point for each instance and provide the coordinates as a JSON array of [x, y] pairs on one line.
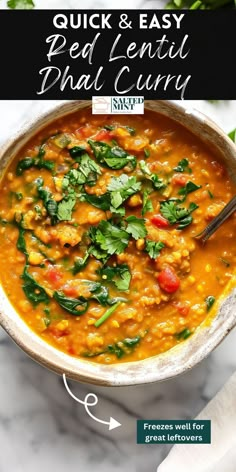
[[157, 183], [177, 214], [113, 157]]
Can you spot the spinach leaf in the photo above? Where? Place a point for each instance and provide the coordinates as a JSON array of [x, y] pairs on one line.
[[75, 306], [102, 201], [80, 263], [121, 348], [21, 244], [34, 292], [113, 157], [37, 161], [76, 151]]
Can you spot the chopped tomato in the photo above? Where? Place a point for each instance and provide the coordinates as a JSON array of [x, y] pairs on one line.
[[168, 280], [103, 135], [179, 179], [159, 221], [54, 275], [182, 307], [70, 290], [219, 168]]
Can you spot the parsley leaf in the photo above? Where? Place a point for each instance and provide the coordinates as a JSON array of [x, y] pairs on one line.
[[113, 157], [176, 214], [157, 183], [153, 248], [20, 4], [147, 203], [119, 275], [136, 227], [183, 166]]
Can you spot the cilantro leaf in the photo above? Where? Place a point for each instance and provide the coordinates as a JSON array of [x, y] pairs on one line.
[[64, 208], [176, 214], [153, 248], [157, 183], [20, 4], [119, 275], [147, 203], [109, 238], [188, 188], [87, 173], [102, 201], [136, 227], [121, 188], [113, 157], [183, 166]]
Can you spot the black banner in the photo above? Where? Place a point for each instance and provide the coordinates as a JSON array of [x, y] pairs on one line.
[[158, 54]]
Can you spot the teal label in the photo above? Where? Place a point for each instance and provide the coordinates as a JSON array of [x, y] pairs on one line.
[[173, 432]]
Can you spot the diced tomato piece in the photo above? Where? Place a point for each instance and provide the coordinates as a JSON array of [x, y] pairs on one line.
[[53, 275], [159, 221], [219, 168], [168, 280], [182, 307], [71, 351], [103, 135], [70, 291], [179, 179]]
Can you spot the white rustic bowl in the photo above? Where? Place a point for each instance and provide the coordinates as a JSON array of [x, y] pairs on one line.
[[161, 367]]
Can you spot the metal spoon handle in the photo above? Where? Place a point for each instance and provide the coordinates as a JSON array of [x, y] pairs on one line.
[[218, 220]]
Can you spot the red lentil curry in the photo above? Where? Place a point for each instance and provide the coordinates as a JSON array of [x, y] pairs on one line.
[[98, 216]]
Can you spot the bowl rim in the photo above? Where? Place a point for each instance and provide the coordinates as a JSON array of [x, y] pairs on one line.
[[157, 368]]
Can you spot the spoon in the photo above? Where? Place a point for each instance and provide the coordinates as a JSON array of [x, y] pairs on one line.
[[217, 221]]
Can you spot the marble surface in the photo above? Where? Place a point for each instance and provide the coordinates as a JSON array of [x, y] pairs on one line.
[[42, 428]]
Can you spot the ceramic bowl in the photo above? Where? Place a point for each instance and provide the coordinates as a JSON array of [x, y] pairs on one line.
[[164, 366]]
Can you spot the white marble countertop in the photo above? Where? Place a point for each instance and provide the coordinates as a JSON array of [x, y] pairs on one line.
[[42, 428]]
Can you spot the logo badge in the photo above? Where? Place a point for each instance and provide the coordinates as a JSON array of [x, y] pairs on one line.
[[118, 105]]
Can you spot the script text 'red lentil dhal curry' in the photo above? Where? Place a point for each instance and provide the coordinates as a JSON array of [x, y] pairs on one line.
[[98, 216]]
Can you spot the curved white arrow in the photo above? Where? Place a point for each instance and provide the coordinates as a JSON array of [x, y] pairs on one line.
[[91, 400]]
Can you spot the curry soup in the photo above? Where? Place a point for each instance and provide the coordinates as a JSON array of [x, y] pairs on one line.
[[98, 216]]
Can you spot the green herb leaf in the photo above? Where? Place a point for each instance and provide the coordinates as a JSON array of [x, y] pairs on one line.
[[75, 306], [102, 201], [121, 188], [61, 140], [64, 209], [109, 238], [146, 153], [183, 166], [147, 203], [188, 188], [183, 334], [80, 263], [76, 151], [136, 227], [153, 248], [119, 275], [210, 194], [210, 300], [113, 157], [120, 349], [176, 214], [157, 183], [33, 291], [109, 127], [131, 130]]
